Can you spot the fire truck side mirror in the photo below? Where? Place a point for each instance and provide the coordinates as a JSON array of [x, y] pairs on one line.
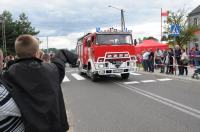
[[88, 43]]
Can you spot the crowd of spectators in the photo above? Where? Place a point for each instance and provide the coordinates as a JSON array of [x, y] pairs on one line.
[[171, 61], [10, 59]]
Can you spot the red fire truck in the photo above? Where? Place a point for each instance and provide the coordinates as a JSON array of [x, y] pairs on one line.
[[106, 53]]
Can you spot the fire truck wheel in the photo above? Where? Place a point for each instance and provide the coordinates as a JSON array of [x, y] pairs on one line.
[[80, 72], [125, 76], [94, 77], [80, 69]]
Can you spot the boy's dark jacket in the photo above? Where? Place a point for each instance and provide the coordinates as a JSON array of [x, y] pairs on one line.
[[36, 88]]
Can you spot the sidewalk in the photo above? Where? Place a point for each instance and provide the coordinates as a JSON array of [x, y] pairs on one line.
[[184, 77]]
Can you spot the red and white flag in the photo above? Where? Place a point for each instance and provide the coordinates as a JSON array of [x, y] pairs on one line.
[[164, 13]]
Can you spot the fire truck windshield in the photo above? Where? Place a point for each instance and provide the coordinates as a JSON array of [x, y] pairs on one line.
[[115, 39]]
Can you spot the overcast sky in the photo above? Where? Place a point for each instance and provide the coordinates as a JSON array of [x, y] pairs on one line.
[[67, 20]]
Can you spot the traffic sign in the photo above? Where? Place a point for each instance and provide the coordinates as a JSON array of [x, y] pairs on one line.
[[175, 30]]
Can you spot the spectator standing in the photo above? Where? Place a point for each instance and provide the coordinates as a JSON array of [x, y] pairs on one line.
[[178, 57], [145, 58], [197, 57], [158, 57], [36, 86], [184, 62], [151, 61], [169, 61], [192, 56], [163, 58]]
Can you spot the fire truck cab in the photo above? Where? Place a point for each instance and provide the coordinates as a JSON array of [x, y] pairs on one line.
[[108, 52]]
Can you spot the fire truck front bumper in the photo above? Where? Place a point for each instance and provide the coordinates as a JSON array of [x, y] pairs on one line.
[[112, 69]]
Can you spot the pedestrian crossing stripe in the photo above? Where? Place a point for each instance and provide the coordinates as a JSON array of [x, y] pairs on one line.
[[79, 77], [135, 74], [66, 79], [164, 79], [148, 81], [133, 82]]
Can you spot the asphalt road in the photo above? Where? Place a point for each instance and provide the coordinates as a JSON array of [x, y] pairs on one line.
[[143, 103]]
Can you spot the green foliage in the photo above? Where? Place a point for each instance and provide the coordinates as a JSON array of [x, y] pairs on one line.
[[14, 28], [150, 38], [73, 50], [186, 31], [51, 50]]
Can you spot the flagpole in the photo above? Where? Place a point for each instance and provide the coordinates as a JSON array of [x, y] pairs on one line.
[[161, 25]]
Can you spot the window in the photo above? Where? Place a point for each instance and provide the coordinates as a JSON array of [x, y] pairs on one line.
[[195, 22], [116, 39]]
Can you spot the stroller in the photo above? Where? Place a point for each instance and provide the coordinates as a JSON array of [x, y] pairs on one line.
[[196, 73]]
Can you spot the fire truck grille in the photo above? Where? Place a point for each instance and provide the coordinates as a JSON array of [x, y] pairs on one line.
[[116, 63]]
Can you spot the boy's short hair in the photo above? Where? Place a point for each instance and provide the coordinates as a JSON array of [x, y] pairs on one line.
[[26, 46]]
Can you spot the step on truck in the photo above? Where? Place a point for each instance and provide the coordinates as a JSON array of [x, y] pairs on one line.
[[109, 52]]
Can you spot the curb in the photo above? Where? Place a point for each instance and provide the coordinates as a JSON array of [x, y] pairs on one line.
[[171, 76]]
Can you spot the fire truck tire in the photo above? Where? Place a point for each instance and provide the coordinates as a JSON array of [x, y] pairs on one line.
[[94, 76], [80, 68], [80, 72], [125, 76]]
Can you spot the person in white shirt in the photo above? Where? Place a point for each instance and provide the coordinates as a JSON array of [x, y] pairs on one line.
[[145, 58], [158, 56], [184, 62], [10, 116]]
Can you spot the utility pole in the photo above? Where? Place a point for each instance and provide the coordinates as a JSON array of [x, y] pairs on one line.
[[161, 34], [122, 17], [2, 21], [122, 20], [47, 44]]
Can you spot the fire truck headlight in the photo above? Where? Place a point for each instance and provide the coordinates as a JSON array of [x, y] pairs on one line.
[[126, 55], [131, 64], [101, 65]]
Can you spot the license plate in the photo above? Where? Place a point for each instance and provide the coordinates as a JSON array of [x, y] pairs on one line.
[[118, 71]]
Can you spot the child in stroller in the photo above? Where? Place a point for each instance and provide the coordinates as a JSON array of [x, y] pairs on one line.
[[196, 72], [197, 64]]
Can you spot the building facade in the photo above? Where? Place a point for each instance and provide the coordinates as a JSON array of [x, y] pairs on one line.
[[194, 19]]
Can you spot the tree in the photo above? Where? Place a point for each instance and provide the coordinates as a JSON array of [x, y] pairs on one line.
[[15, 28], [9, 26], [186, 31], [150, 38]]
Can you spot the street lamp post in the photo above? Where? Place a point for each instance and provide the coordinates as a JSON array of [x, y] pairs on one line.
[[122, 17], [2, 21]]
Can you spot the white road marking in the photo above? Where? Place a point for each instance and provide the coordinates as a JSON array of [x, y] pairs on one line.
[[133, 82], [181, 107], [77, 76], [66, 79], [147, 81], [135, 74], [164, 79]]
